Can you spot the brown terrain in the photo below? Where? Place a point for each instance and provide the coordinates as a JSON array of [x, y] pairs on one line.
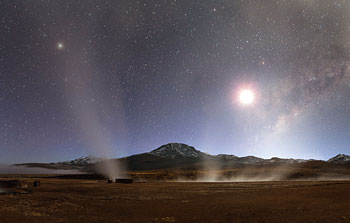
[[84, 200], [177, 183]]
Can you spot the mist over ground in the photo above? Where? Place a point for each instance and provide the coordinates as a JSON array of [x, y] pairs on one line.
[[10, 169]]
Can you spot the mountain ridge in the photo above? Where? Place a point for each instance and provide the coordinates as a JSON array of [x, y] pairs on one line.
[[340, 158], [83, 160], [179, 155]]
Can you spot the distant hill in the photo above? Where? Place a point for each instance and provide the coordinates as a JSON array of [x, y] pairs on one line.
[[340, 158], [83, 160]]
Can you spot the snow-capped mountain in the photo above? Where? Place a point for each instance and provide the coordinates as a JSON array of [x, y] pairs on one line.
[[174, 150], [84, 160], [227, 157], [340, 158]]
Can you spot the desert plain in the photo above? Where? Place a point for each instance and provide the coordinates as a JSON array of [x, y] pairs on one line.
[[86, 200]]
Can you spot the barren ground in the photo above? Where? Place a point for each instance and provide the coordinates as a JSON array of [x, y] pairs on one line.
[[58, 200]]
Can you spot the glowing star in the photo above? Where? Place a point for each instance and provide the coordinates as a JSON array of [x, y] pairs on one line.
[[246, 96], [60, 46]]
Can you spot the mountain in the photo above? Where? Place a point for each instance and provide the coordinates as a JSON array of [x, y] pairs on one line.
[[83, 163], [179, 150], [287, 161], [340, 158], [226, 157], [83, 160], [171, 155], [250, 159]]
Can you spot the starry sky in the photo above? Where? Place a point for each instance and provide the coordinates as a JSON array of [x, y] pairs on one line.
[[116, 78]]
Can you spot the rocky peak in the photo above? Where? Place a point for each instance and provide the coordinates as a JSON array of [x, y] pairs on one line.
[[340, 158], [172, 150]]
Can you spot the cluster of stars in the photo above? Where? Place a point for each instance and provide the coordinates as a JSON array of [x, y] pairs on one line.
[[165, 69]]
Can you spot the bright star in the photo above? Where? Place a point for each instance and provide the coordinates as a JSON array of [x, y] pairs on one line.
[[60, 46]]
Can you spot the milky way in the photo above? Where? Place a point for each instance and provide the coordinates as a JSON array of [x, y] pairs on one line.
[[124, 77]]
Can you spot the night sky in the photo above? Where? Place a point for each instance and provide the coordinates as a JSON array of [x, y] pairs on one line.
[[115, 78]]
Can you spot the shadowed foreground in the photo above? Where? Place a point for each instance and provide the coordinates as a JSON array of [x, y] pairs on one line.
[[58, 200]]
